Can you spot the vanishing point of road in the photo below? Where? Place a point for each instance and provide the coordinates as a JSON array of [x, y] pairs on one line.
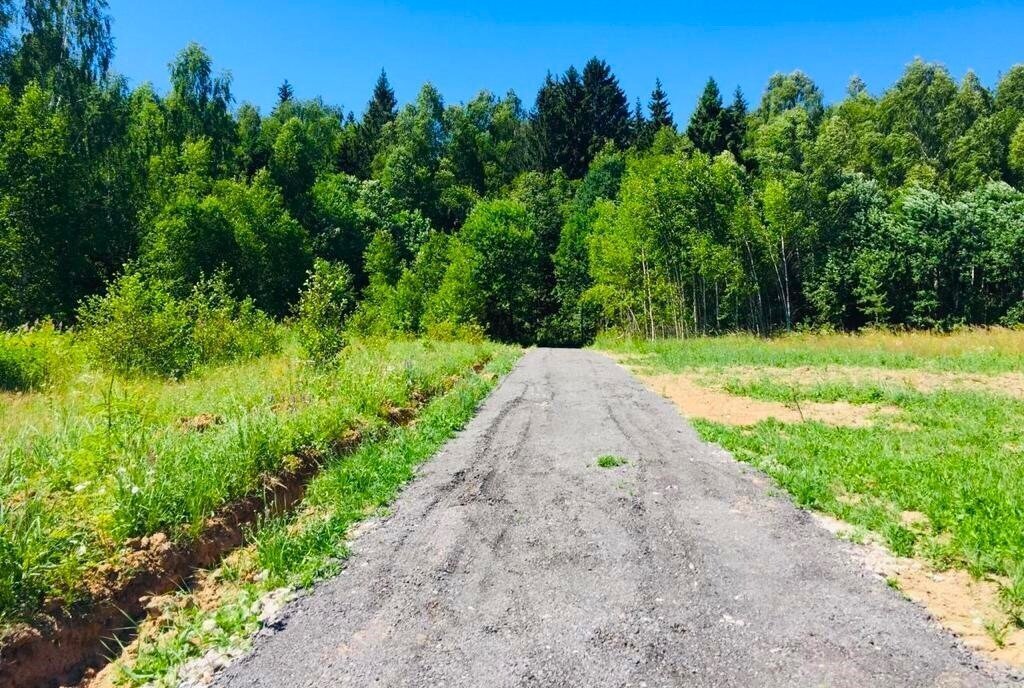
[[513, 560]]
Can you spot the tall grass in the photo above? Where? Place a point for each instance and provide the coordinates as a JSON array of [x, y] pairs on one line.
[[30, 358], [102, 460]]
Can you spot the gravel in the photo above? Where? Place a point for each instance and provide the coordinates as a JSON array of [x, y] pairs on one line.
[[513, 560]]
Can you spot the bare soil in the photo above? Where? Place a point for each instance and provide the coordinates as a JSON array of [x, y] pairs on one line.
[[959, 602], [696, 400]]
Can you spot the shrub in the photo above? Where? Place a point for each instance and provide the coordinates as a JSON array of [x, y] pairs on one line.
[[226, 329], [23, 365], [325, 303], [139, 327]]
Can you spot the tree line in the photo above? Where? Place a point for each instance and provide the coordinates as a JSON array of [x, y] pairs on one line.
[[542, 223]]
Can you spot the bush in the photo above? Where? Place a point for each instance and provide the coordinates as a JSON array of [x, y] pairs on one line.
[[326, 301], [226, 329], [139, 327], [24, 365]]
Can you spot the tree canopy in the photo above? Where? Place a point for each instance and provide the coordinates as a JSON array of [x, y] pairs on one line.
[[542, 221]]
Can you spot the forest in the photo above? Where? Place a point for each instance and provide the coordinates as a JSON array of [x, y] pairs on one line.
[[542, 221]]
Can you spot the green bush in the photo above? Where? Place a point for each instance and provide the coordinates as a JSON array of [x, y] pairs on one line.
[[140, 328], [23, 365], [326, 301]]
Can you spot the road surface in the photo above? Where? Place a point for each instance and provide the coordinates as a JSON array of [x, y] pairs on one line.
[[513, 560]]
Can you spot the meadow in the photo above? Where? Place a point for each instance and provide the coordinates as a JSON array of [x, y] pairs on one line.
[[93, 463], [915, 440]]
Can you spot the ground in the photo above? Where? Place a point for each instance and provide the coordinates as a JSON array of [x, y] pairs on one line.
[[910, 443], [516, 559]]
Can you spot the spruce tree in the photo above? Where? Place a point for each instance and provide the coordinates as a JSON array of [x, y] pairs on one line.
[[606, 106], [707, 128], [382, 109], [285, 93], [856, 86], [661, 114], [576, 125], [642, 132], [736, 124]]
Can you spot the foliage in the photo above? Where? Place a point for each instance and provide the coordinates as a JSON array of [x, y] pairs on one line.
[[326, 300], [140, 328], [30, 358], [88, 467], [897, 207]]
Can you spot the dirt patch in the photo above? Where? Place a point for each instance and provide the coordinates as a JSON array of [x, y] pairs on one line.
[[965, 606], [698, 401], [1009, 384]]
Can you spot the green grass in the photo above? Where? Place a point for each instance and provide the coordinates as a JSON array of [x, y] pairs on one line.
[[297, 549], [29, 359], [955, 455], [981, 351], [611, 461], [90, 464]]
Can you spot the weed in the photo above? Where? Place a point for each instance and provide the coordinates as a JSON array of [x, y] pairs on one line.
[[997, 632], [611, 461]]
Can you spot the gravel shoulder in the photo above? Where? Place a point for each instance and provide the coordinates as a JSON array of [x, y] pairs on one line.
[[514, 560]]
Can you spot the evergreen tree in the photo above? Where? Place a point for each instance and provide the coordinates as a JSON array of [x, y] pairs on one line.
[[661, 115], [606, 105], [560, 125], [285, 93], [736, 123], [708, 125], [856, 86], [642, 133], [381, 110]]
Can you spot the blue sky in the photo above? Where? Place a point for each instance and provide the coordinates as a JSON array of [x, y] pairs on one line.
[[336, 49]]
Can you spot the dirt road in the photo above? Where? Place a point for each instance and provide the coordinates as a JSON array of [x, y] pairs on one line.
[[513, 560]]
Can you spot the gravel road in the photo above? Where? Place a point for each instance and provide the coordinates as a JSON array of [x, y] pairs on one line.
[[513, 560]]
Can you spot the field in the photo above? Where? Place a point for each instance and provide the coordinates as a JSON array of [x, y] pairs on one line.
[[910, 443], [99, 474]]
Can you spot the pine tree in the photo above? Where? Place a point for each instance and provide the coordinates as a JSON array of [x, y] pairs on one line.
[[736, 124], [661, 115], [708, 125], [382, 109], [606, 105], [856, 86], [576, 125], [642, 132], [285, 93]]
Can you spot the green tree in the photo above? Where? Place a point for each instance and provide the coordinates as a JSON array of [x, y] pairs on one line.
[[285, 93], [380, 111], [708, 126], [606, 107], [504, 256]]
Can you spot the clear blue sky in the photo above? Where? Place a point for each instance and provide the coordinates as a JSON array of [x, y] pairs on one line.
[[336, 49]]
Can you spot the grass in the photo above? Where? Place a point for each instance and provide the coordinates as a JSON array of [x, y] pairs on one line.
[[611, 461], [297, 549], [954, 455], [31, 358], [96, 461], [993, 350]]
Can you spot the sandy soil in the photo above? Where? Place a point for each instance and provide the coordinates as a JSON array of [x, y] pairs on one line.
[[697, 400]]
